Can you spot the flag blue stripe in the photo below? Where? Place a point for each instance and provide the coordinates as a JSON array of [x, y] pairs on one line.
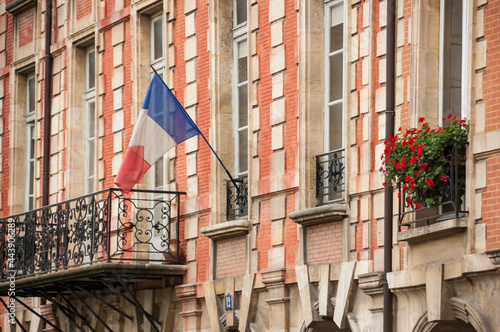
[[167, 112]]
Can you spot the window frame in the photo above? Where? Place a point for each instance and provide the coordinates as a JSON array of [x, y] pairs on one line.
[[241, 37], [90, 137], [463, 69], [327, 54], [30, 156]]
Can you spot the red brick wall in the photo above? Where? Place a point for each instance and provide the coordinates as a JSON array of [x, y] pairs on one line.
[[26, 21], [230, 257], [490, 203], [491, 79], [324, 243], [83, 8]]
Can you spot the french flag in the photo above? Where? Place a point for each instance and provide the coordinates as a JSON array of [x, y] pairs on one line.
[[162, 124]]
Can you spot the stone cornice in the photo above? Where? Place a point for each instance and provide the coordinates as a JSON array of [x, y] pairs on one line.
[[226, 229], [320, 214]]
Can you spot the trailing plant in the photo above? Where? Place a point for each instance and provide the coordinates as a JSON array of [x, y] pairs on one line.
[[417, 162]]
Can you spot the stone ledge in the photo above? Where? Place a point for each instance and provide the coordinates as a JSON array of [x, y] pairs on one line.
[[434, 231], [320, 214], [226, 229], [18, 6]]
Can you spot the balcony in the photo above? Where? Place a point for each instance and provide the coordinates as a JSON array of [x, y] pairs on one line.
[[330, 176], [102, 227], [237, 199], [451, 196]]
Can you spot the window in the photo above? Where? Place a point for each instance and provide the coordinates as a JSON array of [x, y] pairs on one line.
[[330, 165], [453, 22], [237, 201], [30, 143], [90, 125], [157, 61]]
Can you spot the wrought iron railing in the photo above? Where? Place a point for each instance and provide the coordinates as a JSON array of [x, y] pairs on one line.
[[330, 176], [450, 202], [99, 227], [237, 200]]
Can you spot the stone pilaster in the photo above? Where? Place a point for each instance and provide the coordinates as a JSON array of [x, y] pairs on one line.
[[48, 311], [191, 309], [278, 299], [113, 319], [372, 284]]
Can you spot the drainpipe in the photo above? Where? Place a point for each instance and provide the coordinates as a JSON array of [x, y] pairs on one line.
[[389, 131], [47, 103]]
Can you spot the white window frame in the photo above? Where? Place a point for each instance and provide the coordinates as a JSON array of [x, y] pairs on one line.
[[90, 137], [327, 55], [464, 72], [236, 108], [30, 158], [240, 33], [157, 63]]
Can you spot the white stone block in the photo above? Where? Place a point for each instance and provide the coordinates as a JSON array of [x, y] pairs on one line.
[[277, 111], [366, 71], [382, 13], [191, 164], [367, 14], [191, 228], [191, 144], [118, 121], [118, 142], [192, 186], [277, 85], [276, 10], [190, 25], [118, 77], [191, 95], [190, 50], [382, 70], [117, 34], [380, 99], [365, 208], [277, 61], [118, 55], [116, 163], [117, 99], [277, 137], [381, 43], [276, 33], [190, 71]]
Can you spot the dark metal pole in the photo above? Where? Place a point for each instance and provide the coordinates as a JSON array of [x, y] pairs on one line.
[[47, 103], [389, 131]]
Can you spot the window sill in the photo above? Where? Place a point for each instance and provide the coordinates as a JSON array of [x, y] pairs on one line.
[[226, 229], [434, 231], [320, 214]]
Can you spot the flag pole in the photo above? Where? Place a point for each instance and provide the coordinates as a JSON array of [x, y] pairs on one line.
[[192, 122]]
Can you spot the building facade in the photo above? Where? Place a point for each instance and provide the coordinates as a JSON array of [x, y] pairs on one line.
[[292, 97]]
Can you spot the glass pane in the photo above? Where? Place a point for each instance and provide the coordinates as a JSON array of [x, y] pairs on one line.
[[336, 129], [32, 142], [337, 28], [243, 106], [91, 70], [242, 62], [91, 119], [159, 173], [241, 11], [32, 177], [91, 158], [243, 150], [31, 94], [336, 79], [90, 185], [157, 39]]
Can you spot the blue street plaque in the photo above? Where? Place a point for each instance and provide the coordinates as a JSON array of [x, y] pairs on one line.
[[229, 302]]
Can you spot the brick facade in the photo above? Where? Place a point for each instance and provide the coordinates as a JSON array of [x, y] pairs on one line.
[[292, 249]]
